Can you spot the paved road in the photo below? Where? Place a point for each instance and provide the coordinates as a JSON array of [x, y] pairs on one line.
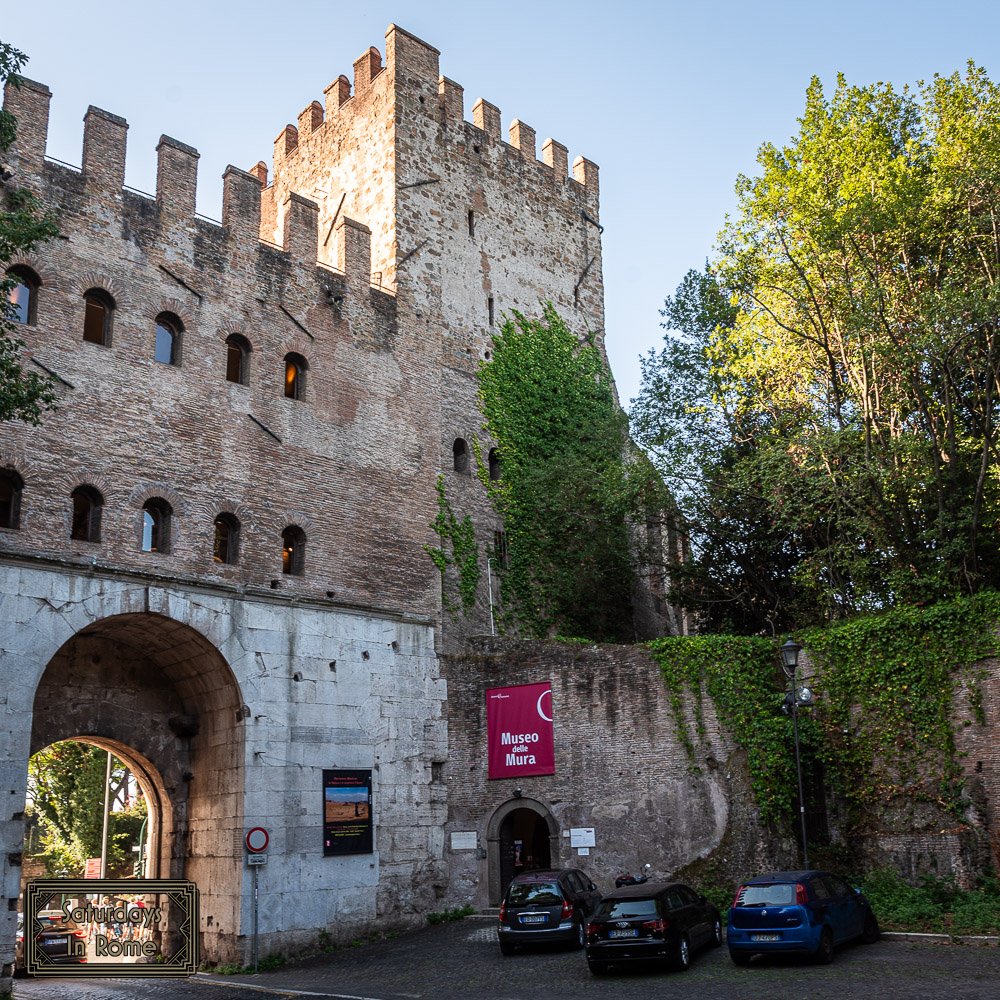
[[460, 961]]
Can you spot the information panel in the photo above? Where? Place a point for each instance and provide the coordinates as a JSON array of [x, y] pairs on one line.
[[347, 812]]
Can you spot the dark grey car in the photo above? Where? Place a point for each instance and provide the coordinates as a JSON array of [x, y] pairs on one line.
[[547, 906]]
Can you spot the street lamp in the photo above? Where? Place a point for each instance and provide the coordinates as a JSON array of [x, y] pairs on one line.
[[795, 698]]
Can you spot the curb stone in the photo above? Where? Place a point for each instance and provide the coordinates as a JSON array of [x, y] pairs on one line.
[[982, 940]]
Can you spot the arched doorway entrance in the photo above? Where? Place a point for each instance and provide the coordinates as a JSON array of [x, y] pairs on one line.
[[161, 697], [522, 835], [70, 783]]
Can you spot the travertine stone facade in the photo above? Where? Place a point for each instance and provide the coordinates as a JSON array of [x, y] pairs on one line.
[[376, 251]]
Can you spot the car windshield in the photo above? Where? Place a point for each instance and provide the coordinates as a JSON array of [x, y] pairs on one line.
[[781, 894], [534, 894], [622, 909]]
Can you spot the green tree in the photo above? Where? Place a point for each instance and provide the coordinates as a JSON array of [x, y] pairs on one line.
[[66, 796], [567, 490], [24, 395], [856, 381]]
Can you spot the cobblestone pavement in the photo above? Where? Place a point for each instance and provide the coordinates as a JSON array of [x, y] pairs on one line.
[[461, 961]]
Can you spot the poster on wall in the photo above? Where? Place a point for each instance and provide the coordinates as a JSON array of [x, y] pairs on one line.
[[347, 812], [519, 731]]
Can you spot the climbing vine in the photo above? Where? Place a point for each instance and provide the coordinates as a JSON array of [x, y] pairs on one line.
[[739, 674], [459, 549], [887, 688], [566, 492]]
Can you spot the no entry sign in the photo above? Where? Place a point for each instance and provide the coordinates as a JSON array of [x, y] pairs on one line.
[[257, 840]]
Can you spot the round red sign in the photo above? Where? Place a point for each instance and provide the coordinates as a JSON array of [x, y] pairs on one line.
[[257, 840]]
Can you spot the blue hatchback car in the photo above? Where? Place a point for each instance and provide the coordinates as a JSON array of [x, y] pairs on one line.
[[805, 912]]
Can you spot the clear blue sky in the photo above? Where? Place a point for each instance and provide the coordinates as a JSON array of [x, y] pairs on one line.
[[671, 99]]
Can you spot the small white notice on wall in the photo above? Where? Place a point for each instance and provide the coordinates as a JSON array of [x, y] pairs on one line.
[[463, 840], [582, 837], [583, 851]]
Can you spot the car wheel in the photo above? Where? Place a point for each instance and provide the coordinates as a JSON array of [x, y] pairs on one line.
[[871, 931], [717, 933], [598, 968], [824, 953], [740, 957], [581, 936], [682, 956], [506, 948]]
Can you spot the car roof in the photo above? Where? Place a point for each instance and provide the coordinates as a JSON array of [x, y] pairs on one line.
[[785, 877], [643, 890]]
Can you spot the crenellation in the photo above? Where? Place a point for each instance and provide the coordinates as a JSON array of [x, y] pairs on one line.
[[366, 68], [337, 94], [310, 118], [522, 138], [259, 170], [104, 142], [354, 250], [176, 178], [285, 143], [585, 171], [300, 218], [452, 98], [486, 116], [556, 156], [28, 101], [241, 193], [411, 57]]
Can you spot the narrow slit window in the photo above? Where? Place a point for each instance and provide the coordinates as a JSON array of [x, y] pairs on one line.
[[237, 359], [156, 526], [489, 308], [493, 461], [87, 505], [472, 222], [227, 539], [11, 486], [168, 340], [295, 376], [98, 309], [500, 552], [460, 455], [293, 551], [22, 299]]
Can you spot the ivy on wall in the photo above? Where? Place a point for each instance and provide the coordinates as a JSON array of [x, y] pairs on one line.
[[739, 675], [458, 549], [887, 688]]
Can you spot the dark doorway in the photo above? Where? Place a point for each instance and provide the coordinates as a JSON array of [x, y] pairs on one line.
[[524, 845]]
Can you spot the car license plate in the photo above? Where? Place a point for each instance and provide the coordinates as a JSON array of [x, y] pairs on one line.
[[623, 934], [765, 937], [533, 918], [52, 940]]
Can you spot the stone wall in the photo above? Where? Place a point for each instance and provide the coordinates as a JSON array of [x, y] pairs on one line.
[[619, 767]]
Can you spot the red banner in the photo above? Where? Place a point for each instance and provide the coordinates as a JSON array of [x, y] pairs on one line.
[[519, 731]]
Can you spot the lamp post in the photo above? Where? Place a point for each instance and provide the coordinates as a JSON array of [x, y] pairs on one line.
[[794, 699]]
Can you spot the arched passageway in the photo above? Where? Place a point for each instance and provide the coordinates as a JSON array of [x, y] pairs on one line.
[[161, 697]]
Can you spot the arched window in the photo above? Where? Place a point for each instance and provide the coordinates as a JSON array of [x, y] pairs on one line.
[[22, 299], [493, 460], [295, 376], [237, 359], [460, 454], [168, 339], [156, 525], [98, 308], [11, 485], [87, 504], [226, 548], [293, 550]]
